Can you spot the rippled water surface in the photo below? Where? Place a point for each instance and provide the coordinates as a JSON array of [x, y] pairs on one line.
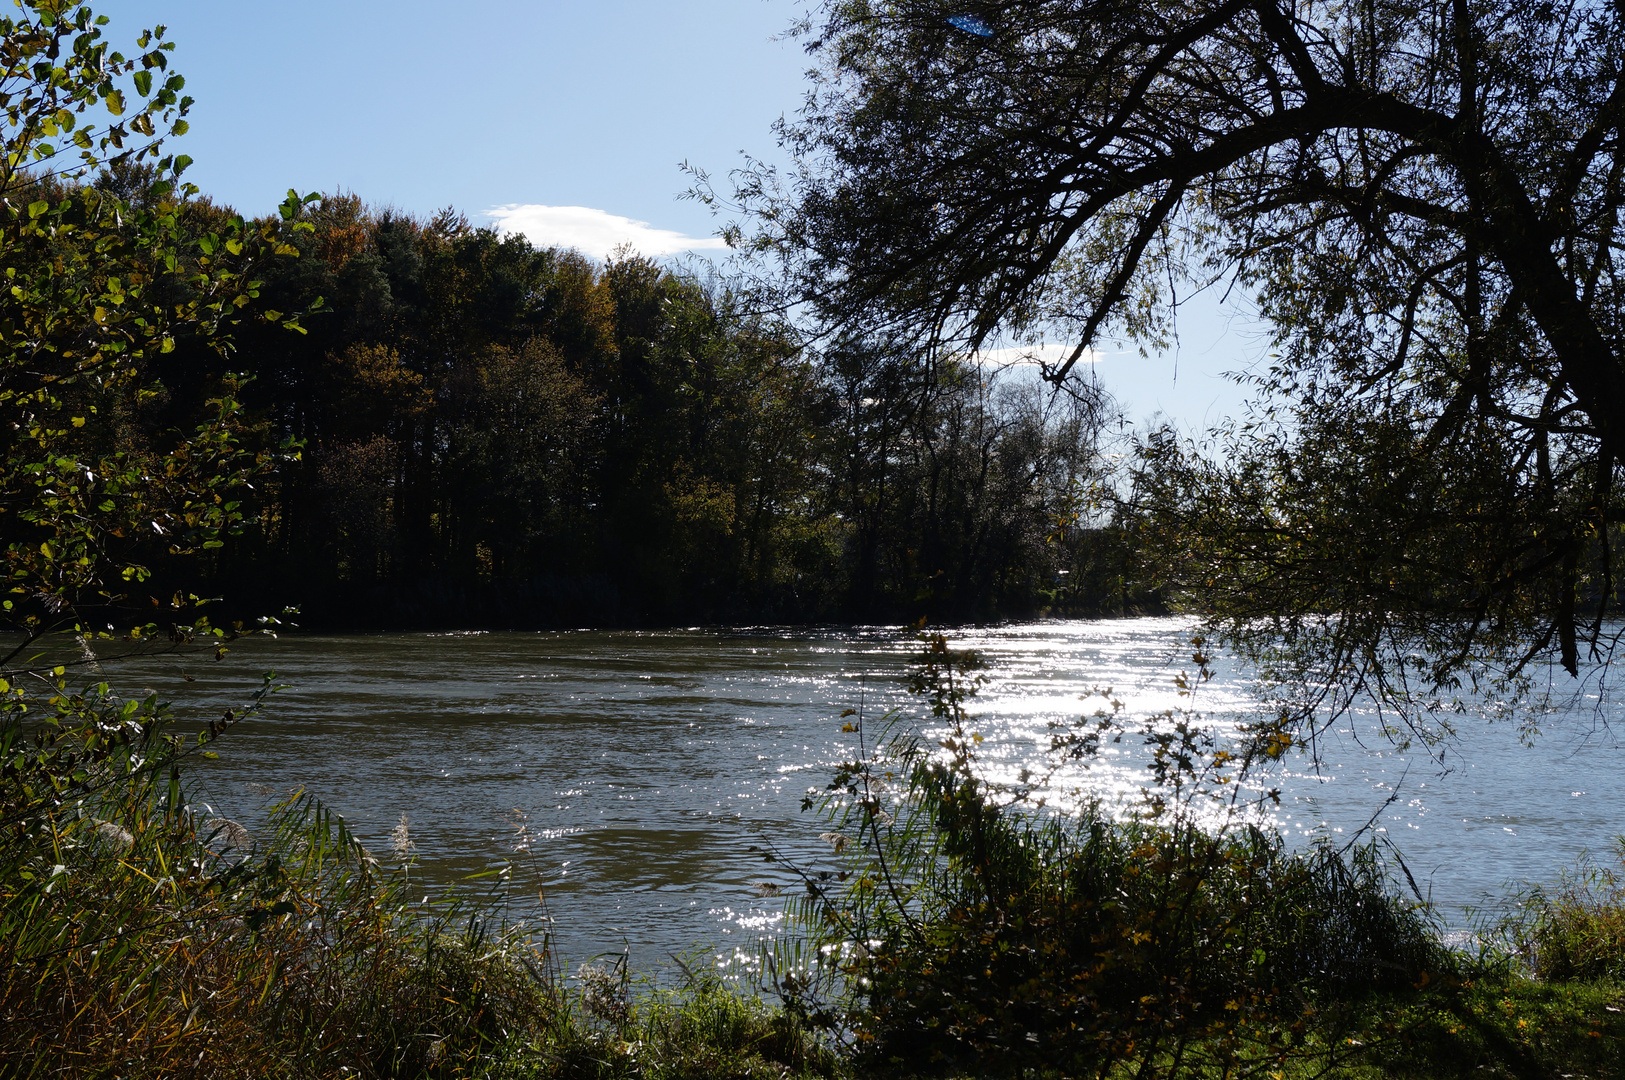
[[646, 764]]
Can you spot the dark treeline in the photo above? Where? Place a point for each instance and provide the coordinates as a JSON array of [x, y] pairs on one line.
[[497, 434]]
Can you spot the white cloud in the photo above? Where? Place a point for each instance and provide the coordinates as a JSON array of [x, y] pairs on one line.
[[1033, 355], [593, 232]]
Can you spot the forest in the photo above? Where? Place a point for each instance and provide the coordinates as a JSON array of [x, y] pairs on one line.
[[482, 432]]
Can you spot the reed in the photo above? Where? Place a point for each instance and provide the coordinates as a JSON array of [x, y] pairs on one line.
[[1575, 929], [143, 939], [958, 930]]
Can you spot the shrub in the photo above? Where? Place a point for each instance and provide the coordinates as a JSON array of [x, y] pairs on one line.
[[708, 1029], [965, 932]]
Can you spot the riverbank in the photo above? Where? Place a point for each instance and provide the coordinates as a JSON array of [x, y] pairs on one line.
[[942, 930], [150, 933], [144, 940]]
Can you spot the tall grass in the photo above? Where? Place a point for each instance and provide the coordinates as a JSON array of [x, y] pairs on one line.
[[957, 928], [1576, 929], [142, 938]]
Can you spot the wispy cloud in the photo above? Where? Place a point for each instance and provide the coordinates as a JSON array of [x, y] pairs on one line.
[[1033, 355], [593, 232]]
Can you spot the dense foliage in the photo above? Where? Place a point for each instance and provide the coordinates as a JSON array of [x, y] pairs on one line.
[[497, 433], [472, 427], [96, 480]]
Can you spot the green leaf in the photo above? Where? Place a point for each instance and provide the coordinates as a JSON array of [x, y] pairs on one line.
[[143, 83], [37, 209], [115, 102]]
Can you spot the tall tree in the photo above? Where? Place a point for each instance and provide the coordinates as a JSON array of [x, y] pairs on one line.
[[1425, 201]]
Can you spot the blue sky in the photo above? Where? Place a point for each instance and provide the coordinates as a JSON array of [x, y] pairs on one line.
[[567, 121], [479, 104]]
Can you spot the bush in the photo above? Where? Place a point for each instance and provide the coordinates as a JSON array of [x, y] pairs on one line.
[[709, 1030], [965, 933]]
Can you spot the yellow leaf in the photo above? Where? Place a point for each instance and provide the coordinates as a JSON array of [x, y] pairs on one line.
[[78, 421]]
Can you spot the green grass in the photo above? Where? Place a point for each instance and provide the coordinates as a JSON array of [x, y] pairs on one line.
[[1519, 1028], [705, 1029], [1513, 1028], [1575, 928]]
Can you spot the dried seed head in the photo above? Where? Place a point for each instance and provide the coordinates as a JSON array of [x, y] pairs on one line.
[[400, 837], [115, 836], [228, 833], [604, 992]]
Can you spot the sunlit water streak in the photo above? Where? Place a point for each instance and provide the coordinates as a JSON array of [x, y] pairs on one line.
[[647, 764]]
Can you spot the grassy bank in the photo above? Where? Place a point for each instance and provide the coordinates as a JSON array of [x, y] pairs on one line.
[[952, 933], [142, 937]]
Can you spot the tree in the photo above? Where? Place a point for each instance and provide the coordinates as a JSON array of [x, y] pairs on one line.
[[950, 480], [54, 69], [99, 288], [96, 487], [1424, 201]]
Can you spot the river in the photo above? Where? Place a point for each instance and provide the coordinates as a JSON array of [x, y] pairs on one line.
[[644, 765]]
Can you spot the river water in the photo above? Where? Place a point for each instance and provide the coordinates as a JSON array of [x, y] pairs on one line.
[[644, 766]]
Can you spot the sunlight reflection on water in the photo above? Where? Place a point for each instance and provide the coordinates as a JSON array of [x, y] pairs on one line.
[[647, 764]]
